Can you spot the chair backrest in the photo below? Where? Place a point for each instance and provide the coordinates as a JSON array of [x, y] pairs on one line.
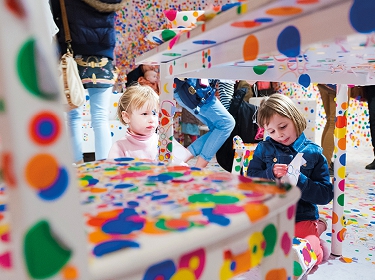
[[243, 153], [41, 211]]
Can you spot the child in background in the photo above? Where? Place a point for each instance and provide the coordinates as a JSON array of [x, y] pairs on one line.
[[284, 124], [138, 108], [150, 78], [133, 76]]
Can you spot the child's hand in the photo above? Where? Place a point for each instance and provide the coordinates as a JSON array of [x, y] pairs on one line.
[[280, 170]]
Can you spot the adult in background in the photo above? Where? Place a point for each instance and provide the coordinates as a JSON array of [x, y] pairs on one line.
[[91, 24], [328, 95]]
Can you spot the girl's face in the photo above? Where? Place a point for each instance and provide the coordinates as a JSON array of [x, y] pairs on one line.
[[143, 121], [282, 130]]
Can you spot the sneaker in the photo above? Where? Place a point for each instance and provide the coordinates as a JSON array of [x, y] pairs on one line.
[[371, 165]]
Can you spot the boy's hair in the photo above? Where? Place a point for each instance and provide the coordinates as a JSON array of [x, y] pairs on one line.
[[280, 104], [134, 98]]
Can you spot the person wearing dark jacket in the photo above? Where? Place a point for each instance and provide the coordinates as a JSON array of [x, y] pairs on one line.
[[245, 127], [91, 24], [280, 118]]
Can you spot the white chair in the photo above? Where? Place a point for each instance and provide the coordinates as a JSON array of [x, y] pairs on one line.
[[243, 153]]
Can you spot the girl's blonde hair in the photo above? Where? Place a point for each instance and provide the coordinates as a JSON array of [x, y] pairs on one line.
[[135, 97], [280, 104]]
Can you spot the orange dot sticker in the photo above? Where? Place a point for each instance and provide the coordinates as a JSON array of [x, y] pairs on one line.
[[250, 48], [344, 105], [246, 24], [278, 273], [341, 143], [256, 211], [335, 218], [284, 11], [42, 171], [70, 272]]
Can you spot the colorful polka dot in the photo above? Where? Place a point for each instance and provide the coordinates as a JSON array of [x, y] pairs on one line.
[[45, 128]]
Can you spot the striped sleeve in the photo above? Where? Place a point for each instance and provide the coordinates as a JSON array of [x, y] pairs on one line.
[[226, 91]]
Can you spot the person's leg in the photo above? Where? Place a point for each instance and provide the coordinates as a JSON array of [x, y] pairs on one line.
[[309, 230], [220, 123], [99, 109], [329, 106], [205, 121], [370, 95], [75, 129]]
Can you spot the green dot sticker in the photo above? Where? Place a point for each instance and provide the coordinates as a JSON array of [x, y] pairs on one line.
[[44, 254], [27, 70], [260, 69]]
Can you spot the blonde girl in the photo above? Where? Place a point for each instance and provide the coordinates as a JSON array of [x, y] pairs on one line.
[[138, 109]]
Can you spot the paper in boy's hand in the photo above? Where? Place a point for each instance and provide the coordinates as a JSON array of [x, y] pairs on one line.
[[293, 172]]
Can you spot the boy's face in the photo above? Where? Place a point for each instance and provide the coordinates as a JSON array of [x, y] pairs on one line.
[[281, 129], [152, 76], [143, 121]]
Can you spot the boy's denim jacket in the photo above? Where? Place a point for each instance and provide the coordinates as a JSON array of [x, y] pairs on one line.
[[314, 181]]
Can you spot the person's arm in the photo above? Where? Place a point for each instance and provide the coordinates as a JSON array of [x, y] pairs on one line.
[[317, 189], [258, 167]]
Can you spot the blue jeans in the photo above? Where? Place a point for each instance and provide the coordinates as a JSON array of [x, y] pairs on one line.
[[220, 123], [99, 109]]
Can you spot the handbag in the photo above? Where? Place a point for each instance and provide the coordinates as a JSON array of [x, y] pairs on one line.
[[74, 93], [193, 93], [97, 72]]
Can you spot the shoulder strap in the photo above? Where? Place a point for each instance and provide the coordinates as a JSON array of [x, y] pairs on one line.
[[68, 38]]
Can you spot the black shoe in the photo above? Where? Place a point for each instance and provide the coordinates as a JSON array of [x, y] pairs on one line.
[[371, 165]]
